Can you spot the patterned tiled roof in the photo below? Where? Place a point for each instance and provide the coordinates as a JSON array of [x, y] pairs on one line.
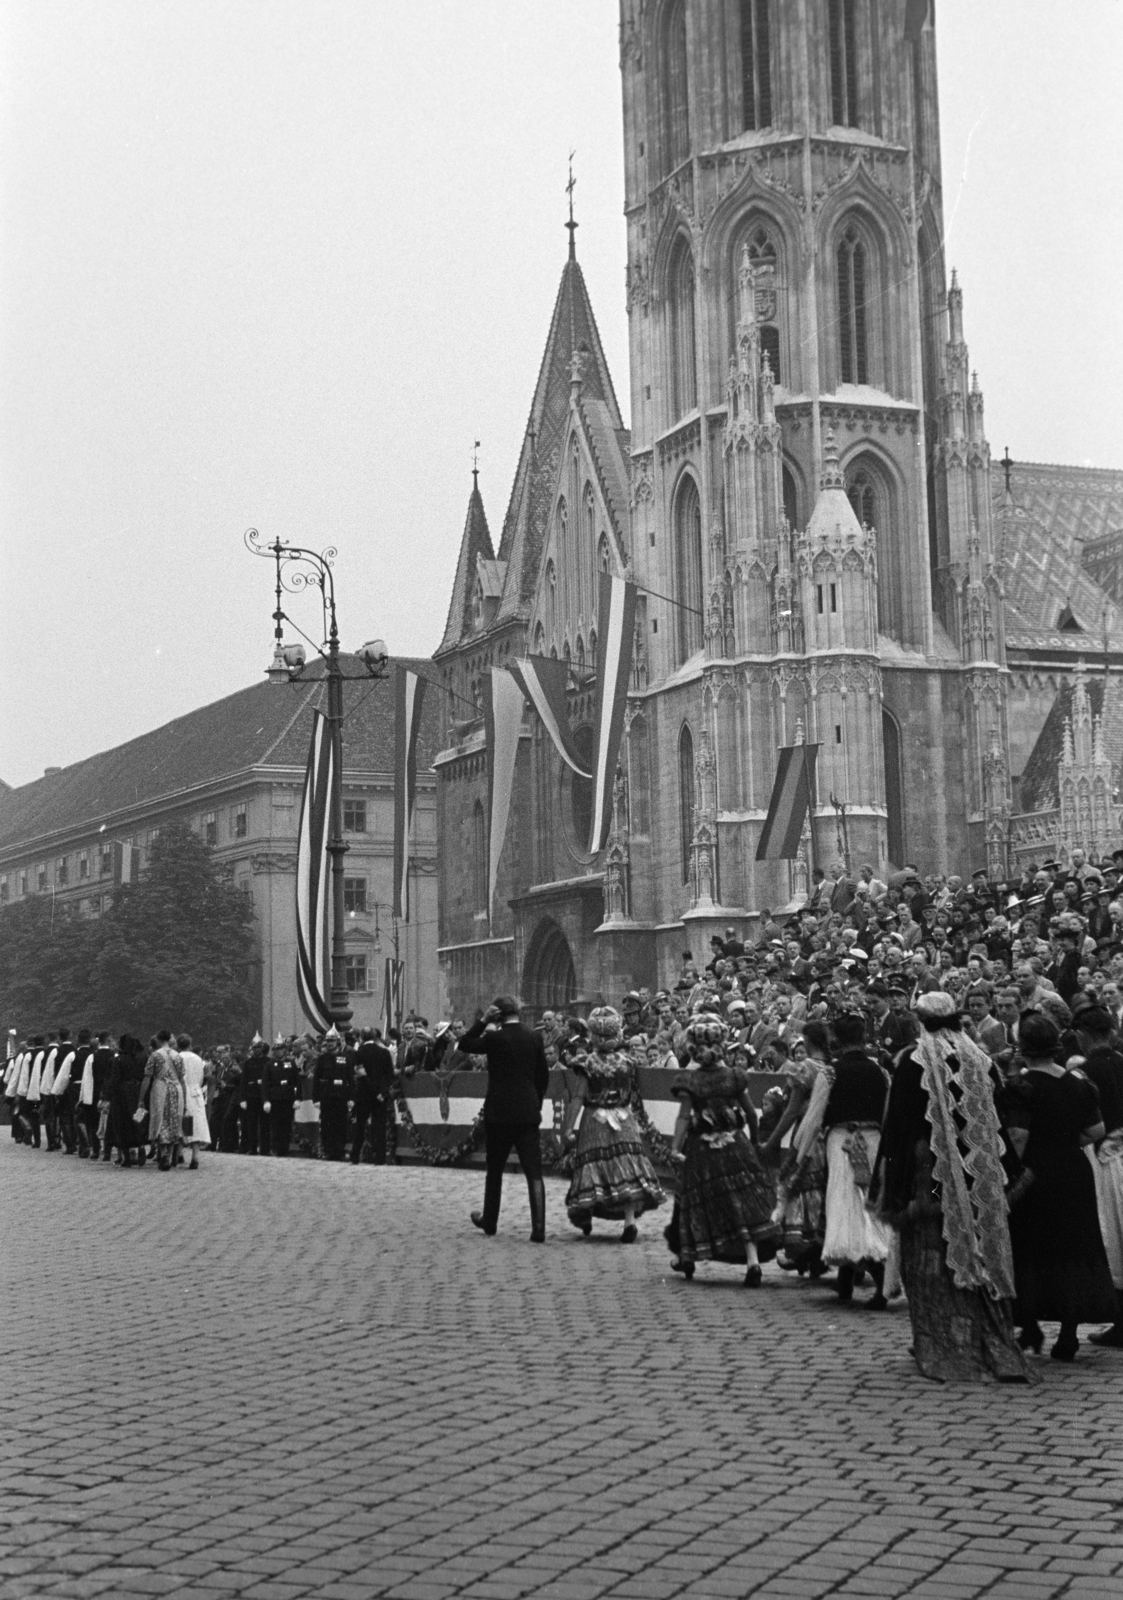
[[475, 541], [262, 726]]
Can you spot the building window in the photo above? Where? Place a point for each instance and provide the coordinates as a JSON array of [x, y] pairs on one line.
[[853, 266], [862, 497], [757, 254], [844, 64], [686, 798], [479, 858], [688, 569], [355, 973], [756, 64], [210, 828], [23, 883], [791, 498], [240, 823], [870, 493], [41, 877], [684, 375], [354, 894], [676, 86], [3, 890], [106, 866], [354, 816], [62, 870], [604, 557], [552, 601]]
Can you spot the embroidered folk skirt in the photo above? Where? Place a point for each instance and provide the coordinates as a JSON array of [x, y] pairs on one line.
[[611, 1169], [852, 1234], [726, 1198]]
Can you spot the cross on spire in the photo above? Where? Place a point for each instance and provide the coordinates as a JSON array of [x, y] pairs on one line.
[[476, 465], [571, 225]]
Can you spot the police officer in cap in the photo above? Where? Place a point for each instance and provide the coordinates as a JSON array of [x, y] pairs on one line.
[[333, 1089], [282, 1090]]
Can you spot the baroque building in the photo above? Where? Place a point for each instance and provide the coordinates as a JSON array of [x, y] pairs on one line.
[[234, 771], [803, 499]]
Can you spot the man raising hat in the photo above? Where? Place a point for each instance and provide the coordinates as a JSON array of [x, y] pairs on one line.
[[517, 1079]]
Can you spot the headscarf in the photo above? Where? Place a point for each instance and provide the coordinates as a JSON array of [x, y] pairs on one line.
[[966, 1151]]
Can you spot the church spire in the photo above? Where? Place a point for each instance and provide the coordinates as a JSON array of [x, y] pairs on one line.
[[475, 543], [571, 224]]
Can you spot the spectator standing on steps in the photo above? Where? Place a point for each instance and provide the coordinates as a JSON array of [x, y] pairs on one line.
[[517, 1080]]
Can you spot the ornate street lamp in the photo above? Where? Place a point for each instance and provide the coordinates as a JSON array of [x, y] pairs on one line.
[[297, 569]]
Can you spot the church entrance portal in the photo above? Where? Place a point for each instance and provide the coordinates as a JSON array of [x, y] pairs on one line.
[[549, 978]]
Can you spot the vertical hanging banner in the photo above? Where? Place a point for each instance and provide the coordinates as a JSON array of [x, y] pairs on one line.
[[313, 878], [409, 695], [616, 626], [793, 794], [543, 683], [503, 715], [393, 992]]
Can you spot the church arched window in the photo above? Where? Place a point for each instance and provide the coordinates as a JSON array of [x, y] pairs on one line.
[[791, 497], [863, 497], [551, 600], [870, 492], [539, 640], [579, 651], [688, 568], [593, 646], [764, 258], [479, 858], [676, 87], [589, 554], [561, 546], [604, 555], [686, 798], [756, 64], [853, 267], [843, 63], [684, 376]]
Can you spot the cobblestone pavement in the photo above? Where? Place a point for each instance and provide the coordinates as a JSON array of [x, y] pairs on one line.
[[277, 1379]]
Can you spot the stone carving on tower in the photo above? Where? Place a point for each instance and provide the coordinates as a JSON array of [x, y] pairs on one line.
[[1084, 784]]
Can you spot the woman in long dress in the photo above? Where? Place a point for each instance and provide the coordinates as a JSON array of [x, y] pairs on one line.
[[803, 1174], [163, 1093], [939, 1180], [726, 1195], [123, 1131], [1060, 1265], [195, 1096], [612, 1173]]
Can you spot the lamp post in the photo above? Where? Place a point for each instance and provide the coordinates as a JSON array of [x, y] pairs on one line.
[[298, 568]]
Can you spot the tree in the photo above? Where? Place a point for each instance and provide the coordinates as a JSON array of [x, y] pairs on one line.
[[176, 950]]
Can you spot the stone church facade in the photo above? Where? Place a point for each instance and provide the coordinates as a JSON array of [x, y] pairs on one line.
[[803, 499]]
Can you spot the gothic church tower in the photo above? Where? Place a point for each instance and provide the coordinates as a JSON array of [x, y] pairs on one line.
[[811, 504]]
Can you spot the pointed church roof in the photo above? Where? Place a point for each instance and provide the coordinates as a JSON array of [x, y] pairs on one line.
[[573, 328], [476, 542]]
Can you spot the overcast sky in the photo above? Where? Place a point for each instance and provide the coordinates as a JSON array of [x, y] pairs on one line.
[[279, 263]]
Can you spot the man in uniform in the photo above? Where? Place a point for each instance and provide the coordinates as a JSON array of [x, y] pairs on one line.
[[374, 1083], [282, 1091], [333, 1089], [517, 1080], [255, 1127]]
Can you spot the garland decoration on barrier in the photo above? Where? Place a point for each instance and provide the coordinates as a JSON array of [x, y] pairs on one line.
[[432, 1153]]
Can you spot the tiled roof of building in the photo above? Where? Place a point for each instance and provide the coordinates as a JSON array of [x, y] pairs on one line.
[[262, 726], [572, 328], [1038, 791], [1043, 525]]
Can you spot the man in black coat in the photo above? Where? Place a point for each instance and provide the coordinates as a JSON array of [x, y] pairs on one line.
[[374, 1083], [282, 1091], [333, 1089], [517, 1079]]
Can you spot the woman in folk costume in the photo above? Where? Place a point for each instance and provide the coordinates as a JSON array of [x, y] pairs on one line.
[[803, 1175], [726, 1195], [851, 1121], [164, 1092], [940, 1180], [195, 1097], [612, 1173]]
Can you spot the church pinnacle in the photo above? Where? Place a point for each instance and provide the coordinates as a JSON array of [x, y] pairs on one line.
[[831, 475]]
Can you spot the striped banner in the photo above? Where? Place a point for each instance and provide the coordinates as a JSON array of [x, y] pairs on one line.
[[793, 793], [616, 624], [543, 681], [393, 993], [313, 881], [503, 716], [409, 695]]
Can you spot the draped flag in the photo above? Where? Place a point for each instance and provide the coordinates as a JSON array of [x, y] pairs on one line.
[[313, 880], [393, 993], [409, 693], [793, 793], [543, 681], [503, 715], [616, 623]]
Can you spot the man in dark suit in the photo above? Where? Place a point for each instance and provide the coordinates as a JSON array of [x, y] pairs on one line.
[[374, 1083], [517, 1079]]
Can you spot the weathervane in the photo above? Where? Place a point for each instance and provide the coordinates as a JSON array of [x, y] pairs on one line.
[[476, 463], [571, 225]]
